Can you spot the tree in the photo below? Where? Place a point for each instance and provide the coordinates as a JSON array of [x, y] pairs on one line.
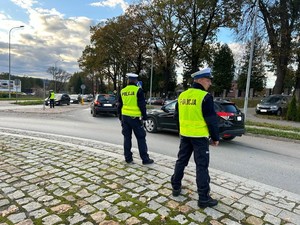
[[297, 83], [163, 29], [124, 44], [76, 81], [278, 20], [258, 74], [90, 66], [223, 70], [296, 61], [60, 78], [200, 21], [118, 46], [290, 80]]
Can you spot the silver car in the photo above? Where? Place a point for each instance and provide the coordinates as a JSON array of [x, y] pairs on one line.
[[273, 104]]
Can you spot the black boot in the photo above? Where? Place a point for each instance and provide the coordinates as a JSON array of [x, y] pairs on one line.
[[175, 192], [149, 161], [210, 202]]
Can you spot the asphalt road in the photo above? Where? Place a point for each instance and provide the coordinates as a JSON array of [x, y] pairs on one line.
[[269, 161]]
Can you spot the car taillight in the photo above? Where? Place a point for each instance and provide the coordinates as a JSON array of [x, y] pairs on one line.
[[225, 115], [97, 102]]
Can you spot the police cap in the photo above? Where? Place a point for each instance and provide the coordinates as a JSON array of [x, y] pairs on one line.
[[132, 75], [204, 73]]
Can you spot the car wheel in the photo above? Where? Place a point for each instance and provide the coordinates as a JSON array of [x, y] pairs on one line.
[[151, 125], [228, 138], [279, 112]]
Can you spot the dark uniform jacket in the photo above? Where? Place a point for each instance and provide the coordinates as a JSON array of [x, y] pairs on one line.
[[209, 114], [141, 103]]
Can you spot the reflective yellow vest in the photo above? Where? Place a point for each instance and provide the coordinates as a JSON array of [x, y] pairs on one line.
[[52, 95], [191, 120], [129, 99]]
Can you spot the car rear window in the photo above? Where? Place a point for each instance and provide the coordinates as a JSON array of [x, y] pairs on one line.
[[106, 97], [229, 108]]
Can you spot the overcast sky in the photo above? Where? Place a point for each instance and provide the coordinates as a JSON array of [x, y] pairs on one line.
[[55, 33]]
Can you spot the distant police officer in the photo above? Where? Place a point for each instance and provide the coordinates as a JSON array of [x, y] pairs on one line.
[[132, 112], [51, 99], [197, 122]]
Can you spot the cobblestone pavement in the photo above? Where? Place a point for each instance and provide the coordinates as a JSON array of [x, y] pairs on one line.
[[50, 179]]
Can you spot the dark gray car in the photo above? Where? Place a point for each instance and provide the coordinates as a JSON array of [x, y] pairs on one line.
[[104, 103], [60, 99], [231, 119], [273, 104]]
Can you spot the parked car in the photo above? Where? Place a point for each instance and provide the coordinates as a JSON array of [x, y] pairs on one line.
[[231, 119], [60, 99], [273, 104], [167, 101], [104, 103], [74, 99], [89, 98], [155, 101]]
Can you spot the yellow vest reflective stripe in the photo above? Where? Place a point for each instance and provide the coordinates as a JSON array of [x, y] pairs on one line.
[[129, 99], [191, 120], [52, 95]]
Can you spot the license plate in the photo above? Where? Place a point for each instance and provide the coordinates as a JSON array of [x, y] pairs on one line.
[[239, 118], [263, 110], [107, 104]]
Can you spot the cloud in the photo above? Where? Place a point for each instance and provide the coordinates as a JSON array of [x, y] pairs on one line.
[[111, 3], [238, 51], [25, 4], [47, 37]]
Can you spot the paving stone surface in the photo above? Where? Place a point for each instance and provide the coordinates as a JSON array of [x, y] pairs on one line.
[[51, 179]]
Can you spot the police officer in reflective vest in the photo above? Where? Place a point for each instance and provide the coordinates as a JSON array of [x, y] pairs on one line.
[[197, 122], [132, 113], [51, 99]]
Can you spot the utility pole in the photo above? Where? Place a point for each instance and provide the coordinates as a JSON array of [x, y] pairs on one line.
[[250, 61]]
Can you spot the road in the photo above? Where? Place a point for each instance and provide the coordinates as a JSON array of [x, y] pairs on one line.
[[269, 161]]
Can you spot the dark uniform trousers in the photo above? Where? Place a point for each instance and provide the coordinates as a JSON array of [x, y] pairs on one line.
[[51, 102], [200, 147], [134, 124]]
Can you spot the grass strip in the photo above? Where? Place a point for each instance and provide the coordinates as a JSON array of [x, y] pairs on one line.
[[33, 102], [274, 133], [273, 126]]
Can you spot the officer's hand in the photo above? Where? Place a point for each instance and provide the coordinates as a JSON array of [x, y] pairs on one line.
[[215, 143]]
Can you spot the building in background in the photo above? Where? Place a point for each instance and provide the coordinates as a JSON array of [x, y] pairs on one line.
[[15, 85]]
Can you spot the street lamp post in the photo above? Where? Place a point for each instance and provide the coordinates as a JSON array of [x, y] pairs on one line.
[[9, 61], [250, 60], [151, 76]]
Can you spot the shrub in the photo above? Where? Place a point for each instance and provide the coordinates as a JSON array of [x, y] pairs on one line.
[[298, 113], [3, 95], [292, 110]]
